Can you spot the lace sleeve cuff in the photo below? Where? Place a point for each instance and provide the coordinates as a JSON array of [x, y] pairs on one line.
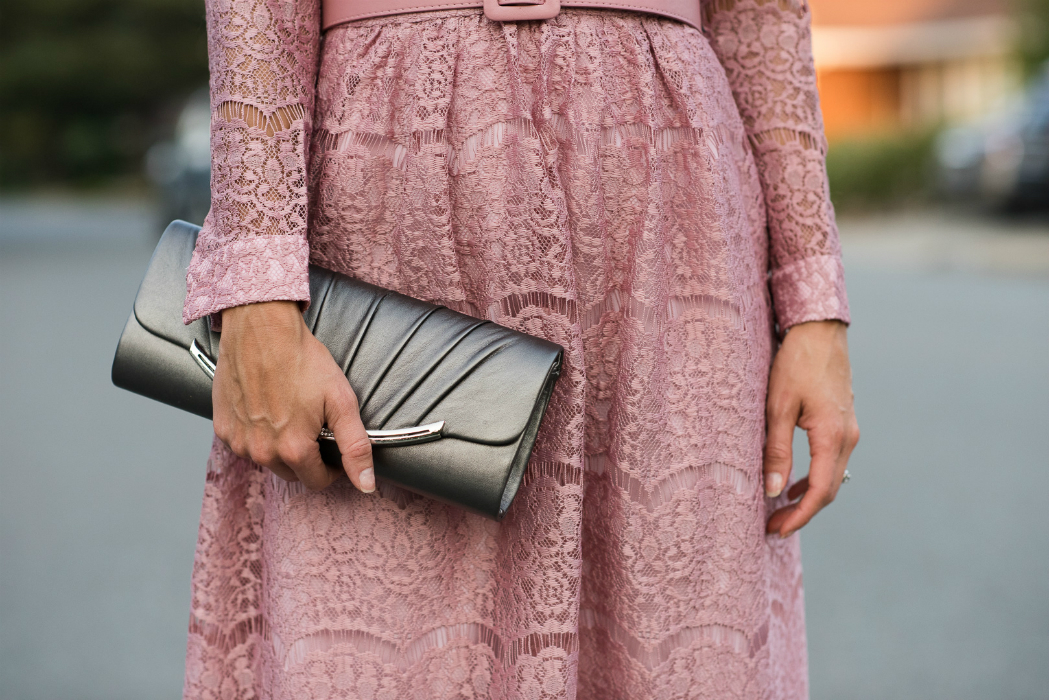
[[246, 271], [810, 289]]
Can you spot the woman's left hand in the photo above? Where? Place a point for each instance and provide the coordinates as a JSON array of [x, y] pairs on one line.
[[811, 387]]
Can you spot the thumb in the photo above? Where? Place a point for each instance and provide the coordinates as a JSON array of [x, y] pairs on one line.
[[779, 447], [343, 417]]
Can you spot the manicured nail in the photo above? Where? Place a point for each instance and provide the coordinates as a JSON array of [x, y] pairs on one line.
[[773, 484], [367, 478]]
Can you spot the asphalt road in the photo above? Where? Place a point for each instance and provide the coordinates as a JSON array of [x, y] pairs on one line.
[[928, 579]]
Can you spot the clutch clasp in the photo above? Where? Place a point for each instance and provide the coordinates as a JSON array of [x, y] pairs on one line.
[[202, 360], [400, 436]]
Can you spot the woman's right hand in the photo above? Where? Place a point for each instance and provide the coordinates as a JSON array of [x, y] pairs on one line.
[[275, 387]]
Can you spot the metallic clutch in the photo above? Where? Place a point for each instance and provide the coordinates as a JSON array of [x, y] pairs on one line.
[[452, 403]]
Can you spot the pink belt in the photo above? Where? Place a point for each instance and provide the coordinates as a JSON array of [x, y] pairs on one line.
[[339, 11]]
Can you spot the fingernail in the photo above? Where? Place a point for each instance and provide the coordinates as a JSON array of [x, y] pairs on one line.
[[367, 478], [773, 484], [785, 535]]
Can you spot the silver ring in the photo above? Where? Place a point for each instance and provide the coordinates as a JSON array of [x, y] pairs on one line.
[[845, 477]]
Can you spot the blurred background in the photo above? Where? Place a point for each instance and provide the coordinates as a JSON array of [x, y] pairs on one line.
[[929, 578]]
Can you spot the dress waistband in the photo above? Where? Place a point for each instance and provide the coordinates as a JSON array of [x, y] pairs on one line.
[[339, 11]]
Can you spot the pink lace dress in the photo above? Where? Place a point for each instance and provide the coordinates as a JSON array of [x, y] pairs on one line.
[[649, 196]]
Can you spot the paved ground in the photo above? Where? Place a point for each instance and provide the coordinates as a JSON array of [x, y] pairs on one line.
[[928, 579]]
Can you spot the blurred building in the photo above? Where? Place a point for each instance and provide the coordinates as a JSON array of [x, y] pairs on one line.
[[911, 63]]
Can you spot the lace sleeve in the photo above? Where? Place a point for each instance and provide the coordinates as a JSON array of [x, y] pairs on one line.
[[263, 58], [765, 47]]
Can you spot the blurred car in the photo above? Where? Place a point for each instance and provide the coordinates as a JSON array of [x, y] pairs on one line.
[[181, 168], [1003, 160]]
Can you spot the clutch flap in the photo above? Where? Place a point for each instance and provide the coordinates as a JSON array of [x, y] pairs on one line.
[[158, 305], [411, 362]]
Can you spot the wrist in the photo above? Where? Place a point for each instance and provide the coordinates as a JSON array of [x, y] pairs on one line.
[[830, 327], [279, 316]]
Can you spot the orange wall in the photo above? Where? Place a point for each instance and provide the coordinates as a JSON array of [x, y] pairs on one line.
[[859, 102]]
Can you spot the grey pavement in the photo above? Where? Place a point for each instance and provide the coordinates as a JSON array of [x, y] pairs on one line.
[[928, 578], [99, 489]]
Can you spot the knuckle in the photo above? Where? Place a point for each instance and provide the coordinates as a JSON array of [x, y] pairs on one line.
[[238, 447], [778, 407], [777, 452], [360, 448], [345, 403], [261, 453], [825, 434], [854, 435], [293, 452], [825, 442], [224, 430]]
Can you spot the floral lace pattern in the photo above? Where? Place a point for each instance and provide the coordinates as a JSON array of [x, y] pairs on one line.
[[766, 49], [589, 179], [263, 57]]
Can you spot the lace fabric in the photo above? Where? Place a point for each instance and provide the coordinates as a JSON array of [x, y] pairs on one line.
[[263, 58], [766, 49], [601, 179]]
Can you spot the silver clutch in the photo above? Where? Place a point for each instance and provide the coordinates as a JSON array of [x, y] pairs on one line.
[[452, 403]]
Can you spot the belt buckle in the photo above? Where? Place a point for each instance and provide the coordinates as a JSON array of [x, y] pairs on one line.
[[520, 11]]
